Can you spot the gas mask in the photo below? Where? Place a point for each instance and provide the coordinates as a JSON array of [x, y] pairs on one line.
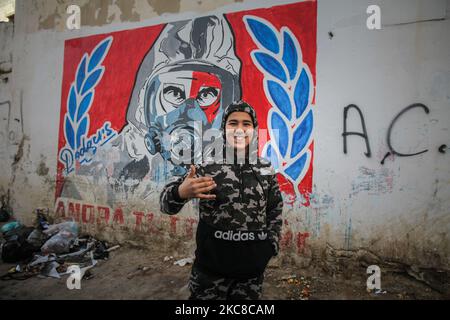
[[180, 107]]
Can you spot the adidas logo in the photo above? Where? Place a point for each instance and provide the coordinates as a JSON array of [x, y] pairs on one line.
[[234, 236], [262, 235], [240, 235]]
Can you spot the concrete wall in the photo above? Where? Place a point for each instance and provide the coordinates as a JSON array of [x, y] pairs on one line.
[[399, 210], [9, 124]]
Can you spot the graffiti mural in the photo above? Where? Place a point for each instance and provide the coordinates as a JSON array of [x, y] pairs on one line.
[[131, 100]]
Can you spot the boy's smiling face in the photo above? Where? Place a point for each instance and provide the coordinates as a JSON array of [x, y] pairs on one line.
[[239, 129]]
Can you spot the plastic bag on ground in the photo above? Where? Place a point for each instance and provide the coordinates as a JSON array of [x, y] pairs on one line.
[[10, 226], [16, 248], [69, 226], [37, 238], [59, 243]]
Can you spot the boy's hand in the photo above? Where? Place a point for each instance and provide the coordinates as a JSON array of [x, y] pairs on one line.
[[193, 187]]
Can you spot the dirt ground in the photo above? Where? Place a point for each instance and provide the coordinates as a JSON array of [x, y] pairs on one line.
[[132, 273]]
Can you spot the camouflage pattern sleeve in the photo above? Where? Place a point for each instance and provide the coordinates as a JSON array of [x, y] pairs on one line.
[[169, 199], [274, 210]]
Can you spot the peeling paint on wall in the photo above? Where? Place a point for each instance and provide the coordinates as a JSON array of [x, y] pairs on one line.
[[52, 15], [164, 6], [42, 169], [373, 181]]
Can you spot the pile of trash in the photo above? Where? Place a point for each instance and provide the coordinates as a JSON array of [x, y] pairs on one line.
[[49, 250]]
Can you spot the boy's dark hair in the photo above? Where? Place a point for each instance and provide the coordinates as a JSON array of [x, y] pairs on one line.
[[240, 106]]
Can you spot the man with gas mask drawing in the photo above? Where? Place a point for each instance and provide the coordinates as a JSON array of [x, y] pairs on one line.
[[192, 74], [183, 84]]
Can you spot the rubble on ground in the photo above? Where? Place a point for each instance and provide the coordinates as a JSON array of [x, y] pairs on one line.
[[298, 288], [49, 250]]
